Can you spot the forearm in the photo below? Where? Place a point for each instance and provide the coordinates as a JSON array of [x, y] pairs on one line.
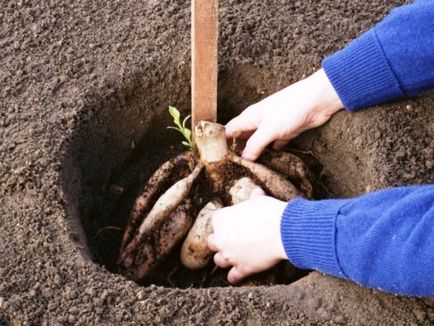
[[382, 240], [392, 60]]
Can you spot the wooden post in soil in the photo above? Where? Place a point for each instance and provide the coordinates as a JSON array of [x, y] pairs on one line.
[[204, 53]]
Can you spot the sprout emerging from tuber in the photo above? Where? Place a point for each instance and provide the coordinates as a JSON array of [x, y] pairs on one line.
[[181, 127]]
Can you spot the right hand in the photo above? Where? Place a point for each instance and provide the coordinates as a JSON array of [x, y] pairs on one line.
[[246, 236], [284, 115]]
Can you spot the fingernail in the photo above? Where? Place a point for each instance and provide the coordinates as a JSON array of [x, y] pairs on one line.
[[248, 156]]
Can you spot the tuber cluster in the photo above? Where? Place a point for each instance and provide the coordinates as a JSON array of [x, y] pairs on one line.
[[197, 184]]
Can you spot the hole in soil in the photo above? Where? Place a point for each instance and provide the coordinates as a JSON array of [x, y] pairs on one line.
[[120, 139]]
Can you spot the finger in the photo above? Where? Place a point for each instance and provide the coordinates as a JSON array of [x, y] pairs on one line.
[[246, 122], [216, 218], [257, 143], [280, 143], [220, 261], [212, 243], [243, 134], [220, 219], [257, 192], [235, 275]]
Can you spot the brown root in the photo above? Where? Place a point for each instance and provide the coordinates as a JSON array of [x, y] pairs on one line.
[[195, 253], [150, 249], [292, 167], [154, 186], [276, 185], [161, 215], [164, 206], [169, 201]]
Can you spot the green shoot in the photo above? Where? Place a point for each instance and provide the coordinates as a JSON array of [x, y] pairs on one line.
[[181, 127]]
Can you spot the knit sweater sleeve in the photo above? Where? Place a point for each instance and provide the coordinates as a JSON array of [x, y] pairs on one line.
[[392, 60], [382, 240]]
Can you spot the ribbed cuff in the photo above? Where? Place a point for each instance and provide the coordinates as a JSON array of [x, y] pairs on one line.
[[308, 231], [361, 75]]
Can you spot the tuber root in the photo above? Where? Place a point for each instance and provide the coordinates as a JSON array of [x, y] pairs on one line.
[[242, 190], [292, 167], [214, 153], [273, 182], [153, 248], [144, 202], [195, 253], [164, 206], [161, 215], [169, 201]]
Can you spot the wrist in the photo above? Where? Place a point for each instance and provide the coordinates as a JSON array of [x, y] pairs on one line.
[[325, 99], [280, 252]]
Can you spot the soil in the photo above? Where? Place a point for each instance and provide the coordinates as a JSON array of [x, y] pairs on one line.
[[83, 83]]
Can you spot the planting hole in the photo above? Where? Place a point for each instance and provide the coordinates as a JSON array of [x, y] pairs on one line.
[[121, 138]]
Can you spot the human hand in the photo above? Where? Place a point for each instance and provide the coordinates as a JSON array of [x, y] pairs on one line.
[[247, 236], [284, 115]]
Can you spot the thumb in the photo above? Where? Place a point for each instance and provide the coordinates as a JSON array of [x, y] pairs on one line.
[[257, 143], [235, 275], [257, 192]]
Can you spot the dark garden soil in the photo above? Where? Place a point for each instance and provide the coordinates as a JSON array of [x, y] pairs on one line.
[[84, 91]]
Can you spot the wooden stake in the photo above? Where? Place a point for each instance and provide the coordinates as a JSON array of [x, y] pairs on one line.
[[204, 53]]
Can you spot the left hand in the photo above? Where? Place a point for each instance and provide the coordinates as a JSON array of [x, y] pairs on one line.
[[247, 237], [284, 115]]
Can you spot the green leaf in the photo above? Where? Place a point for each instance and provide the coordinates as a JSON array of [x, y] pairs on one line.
[[176, 116], [181, 127], [174, 113]]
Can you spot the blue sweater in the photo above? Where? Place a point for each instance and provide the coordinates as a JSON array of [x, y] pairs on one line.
[[383, 240]]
